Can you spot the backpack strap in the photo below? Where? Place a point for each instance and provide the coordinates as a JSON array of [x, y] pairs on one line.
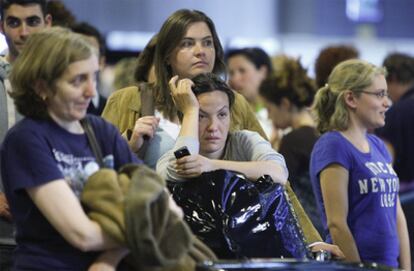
[[96, 149], [147, 109]]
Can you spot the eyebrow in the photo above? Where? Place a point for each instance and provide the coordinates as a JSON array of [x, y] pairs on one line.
[[221, 109], [224, 107], [204, 38], [11, 17]]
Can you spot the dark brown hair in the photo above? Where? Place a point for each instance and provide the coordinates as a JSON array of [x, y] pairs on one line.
[[400, 68], [329, 57], [255, 55], [290, 81], [208, 82], [145, 61], [61, 15], [5, 4], [169, 37]]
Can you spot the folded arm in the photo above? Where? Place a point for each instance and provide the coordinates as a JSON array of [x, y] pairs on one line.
[[63, 210], [195, 165]]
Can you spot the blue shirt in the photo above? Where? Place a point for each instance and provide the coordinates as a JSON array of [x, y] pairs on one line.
[[372, 194], [36, 152]]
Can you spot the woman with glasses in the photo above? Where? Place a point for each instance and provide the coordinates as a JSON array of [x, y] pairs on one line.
[[351, 170]]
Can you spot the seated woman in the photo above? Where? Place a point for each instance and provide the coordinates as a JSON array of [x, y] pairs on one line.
[[211, 145], [205, 104], [46, 158], [351, 170]]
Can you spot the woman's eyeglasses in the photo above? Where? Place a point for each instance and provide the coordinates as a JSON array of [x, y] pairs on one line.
[[379, 94]]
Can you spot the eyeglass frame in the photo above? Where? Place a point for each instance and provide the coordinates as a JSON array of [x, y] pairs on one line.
[[379, 94]]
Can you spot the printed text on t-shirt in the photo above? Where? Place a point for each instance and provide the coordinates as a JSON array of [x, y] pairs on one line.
[[387, 183]]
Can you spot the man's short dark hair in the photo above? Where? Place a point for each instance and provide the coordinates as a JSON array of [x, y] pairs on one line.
[[400, 67], [89, 30], [5, 4]]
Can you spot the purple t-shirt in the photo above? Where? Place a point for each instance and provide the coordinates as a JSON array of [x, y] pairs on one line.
[[35, 152], [372, 194]]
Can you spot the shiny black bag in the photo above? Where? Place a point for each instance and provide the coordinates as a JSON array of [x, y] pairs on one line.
[[238, 218]]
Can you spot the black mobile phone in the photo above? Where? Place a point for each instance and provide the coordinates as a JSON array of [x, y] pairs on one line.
[[181, 152]]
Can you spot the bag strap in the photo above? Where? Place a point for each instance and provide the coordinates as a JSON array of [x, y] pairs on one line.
[[147, 99], [147, 109], [96, 149]]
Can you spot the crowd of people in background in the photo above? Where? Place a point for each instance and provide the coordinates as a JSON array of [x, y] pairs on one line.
[[340, 143]]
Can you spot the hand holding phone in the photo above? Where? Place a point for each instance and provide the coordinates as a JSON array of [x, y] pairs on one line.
[[181, 152]]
